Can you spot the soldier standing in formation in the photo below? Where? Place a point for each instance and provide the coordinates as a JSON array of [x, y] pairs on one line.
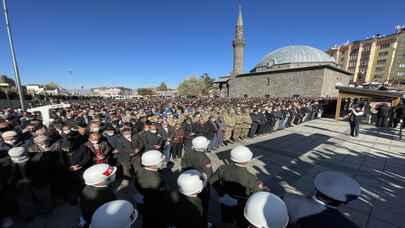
[[96, 192], [235, 183], [230, 123], [196, 158], [154, 189]]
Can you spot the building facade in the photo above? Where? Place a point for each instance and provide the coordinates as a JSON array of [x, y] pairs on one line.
[[379, 58], [34, 89], [111, 91], [292, 70]]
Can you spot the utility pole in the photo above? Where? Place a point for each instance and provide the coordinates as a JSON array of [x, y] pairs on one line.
[[12, 50]]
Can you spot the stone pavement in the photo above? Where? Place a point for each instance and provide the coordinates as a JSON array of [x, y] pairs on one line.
[[288, 161]]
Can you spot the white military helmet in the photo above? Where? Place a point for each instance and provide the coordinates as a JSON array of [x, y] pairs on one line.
[[100, 174], [200, 143], [241, 154], [266, 210], [190, 182], [152, 157], [114, 214]]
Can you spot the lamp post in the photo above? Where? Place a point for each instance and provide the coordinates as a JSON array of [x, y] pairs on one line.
[[12, 50]]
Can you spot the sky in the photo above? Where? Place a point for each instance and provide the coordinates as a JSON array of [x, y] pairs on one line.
[[140, 43]]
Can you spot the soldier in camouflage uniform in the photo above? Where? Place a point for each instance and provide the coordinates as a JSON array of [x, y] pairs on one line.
[[229, 125], [237, 130], [246, 123]]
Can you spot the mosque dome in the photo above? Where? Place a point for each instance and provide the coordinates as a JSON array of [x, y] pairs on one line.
[[293, 54]]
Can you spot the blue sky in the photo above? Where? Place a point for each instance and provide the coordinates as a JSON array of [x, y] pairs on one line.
[[138, 43]]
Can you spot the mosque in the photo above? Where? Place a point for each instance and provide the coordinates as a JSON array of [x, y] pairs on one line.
[[288, 71]]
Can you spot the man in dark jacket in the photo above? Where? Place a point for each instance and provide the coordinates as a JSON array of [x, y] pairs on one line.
[[262, 122], [150, 139], [211, 132], [199, 127], [126, 149], [167, 132], [383, 115], [255, 123]]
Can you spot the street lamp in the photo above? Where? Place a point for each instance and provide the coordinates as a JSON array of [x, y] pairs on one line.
[[12, 50]]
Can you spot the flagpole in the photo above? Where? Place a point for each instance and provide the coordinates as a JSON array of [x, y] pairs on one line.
[[12, 50]]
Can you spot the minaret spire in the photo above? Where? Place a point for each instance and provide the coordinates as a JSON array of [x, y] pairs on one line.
[[240, 18], [238, 45]]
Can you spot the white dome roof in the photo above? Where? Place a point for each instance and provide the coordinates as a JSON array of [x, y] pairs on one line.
[[294, 54]]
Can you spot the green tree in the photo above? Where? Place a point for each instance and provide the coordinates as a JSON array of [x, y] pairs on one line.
[[163, 87], [191, 86], [208, 83], [52, 86], [6, 80], [146, 92]]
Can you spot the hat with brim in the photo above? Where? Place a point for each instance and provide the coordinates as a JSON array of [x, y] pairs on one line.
[[337, 186]]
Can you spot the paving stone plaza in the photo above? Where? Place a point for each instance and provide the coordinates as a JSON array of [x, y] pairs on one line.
[[288, 161]]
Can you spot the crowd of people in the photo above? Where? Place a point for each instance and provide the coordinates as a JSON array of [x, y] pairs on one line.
[[380, 114], [92, 144]]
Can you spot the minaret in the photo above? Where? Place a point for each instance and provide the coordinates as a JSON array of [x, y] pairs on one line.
[[238, 46]]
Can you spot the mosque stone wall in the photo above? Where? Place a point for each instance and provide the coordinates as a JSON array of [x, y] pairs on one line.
[[304, 82]]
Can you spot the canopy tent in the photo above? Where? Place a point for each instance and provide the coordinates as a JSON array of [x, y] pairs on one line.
[[348, 92]]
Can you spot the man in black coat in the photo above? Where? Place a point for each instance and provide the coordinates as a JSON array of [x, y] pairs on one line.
[[400, 111], [255, 123], [383, 115], [189, 135], [211, 132], [150, 139], [199, 128], [167, 132], [262, 122], [126, 149]]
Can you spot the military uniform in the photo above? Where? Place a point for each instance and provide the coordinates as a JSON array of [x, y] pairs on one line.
[[154, 190], [237, 174], [197, 160], [238, 183], [229, 125], [188, 212], [307, 213], [237, 130], [246, 123], [322, 209], [92, 198]]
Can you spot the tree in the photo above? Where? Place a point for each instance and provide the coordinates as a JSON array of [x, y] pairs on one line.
[[146, 91], [162, 87], [191, 86], [208, 83], [6, 80], [52, 86]]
